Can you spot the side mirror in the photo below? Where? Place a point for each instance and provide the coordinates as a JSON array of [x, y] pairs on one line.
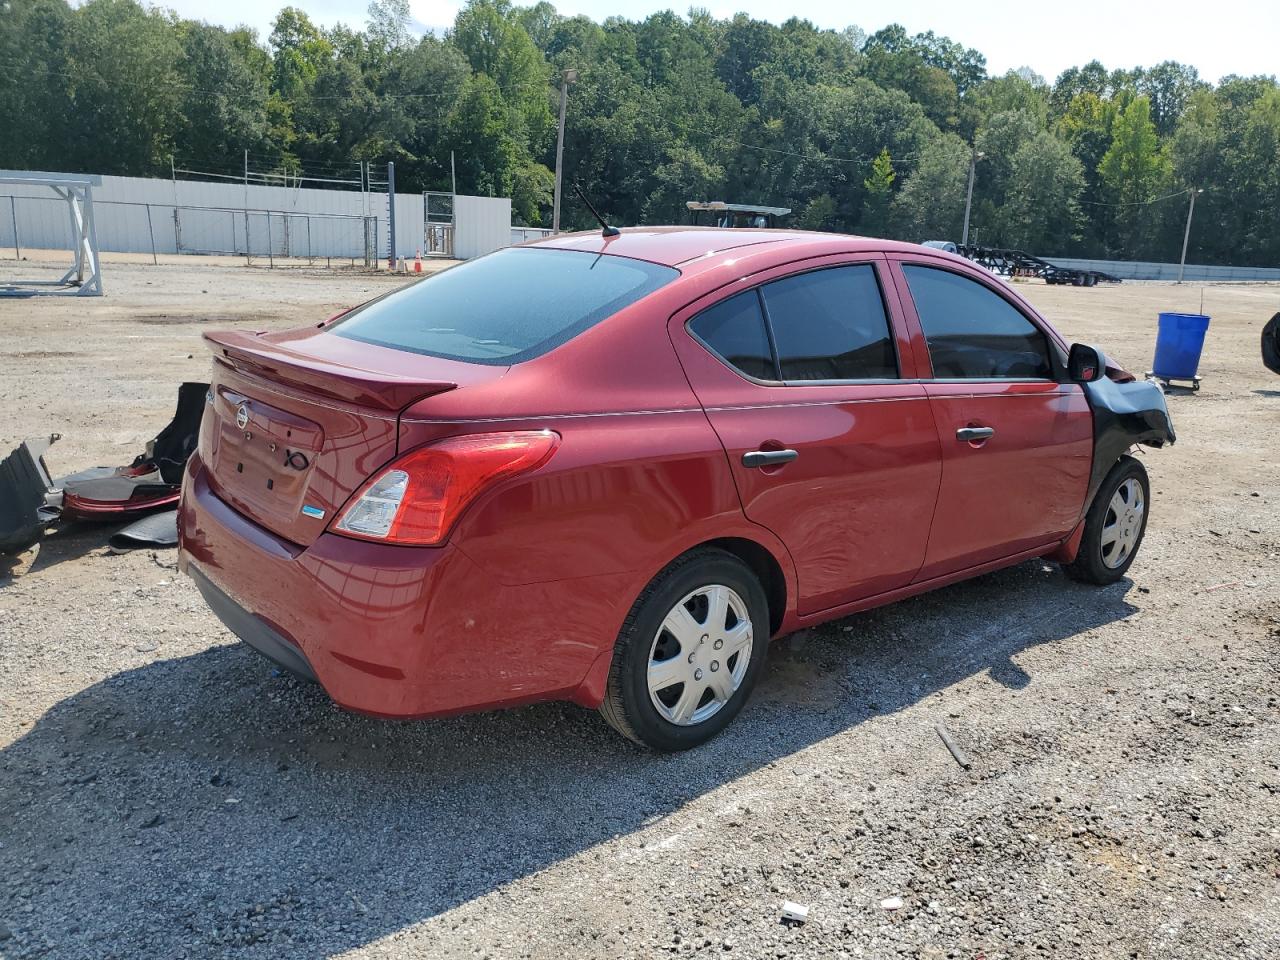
[[1086, 364]]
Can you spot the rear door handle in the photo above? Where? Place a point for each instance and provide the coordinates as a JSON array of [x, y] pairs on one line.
[[970, 434], [768, 458]]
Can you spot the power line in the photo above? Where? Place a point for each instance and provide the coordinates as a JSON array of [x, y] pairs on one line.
[[816, 158], [1138, 203]]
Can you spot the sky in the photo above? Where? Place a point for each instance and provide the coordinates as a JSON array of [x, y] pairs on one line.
[[1217, 38]]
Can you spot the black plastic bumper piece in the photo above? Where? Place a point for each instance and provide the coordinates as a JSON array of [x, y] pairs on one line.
[[252, 630], [1124, 414], [24, 484]]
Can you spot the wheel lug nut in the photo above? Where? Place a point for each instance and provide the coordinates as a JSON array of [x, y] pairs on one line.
[[718, 644], [697, 674], [715, 665]]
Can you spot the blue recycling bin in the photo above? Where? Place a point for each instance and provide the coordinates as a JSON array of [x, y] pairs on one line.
[[1179, 342]]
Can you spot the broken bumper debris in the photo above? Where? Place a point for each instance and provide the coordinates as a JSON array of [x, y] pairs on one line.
[[30, 501]]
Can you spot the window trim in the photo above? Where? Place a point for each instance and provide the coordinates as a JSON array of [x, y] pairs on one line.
[[758, 289], [1057, 363]]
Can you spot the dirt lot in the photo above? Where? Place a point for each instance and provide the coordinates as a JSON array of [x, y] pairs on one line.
[[165, 793]]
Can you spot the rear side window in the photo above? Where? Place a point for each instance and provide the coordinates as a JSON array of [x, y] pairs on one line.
[[510, 306], [973, 333], [831, 325], [734, 330]]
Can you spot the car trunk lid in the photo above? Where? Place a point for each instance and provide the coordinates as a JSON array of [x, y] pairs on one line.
[[296, 422]]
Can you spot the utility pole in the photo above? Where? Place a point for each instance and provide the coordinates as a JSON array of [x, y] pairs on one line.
[[568, 77], [1186, 235], [968, 199]]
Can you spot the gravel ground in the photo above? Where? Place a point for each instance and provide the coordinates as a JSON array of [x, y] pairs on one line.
[[165, 793]]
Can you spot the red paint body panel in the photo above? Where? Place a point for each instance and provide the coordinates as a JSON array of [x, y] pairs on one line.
[[882, 502], [854, 507], [1020, 489]]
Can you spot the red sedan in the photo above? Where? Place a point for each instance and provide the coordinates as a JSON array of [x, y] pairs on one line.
[[609, 469]]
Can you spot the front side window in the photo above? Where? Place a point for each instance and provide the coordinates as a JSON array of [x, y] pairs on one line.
[[972, 333], [831, 324], [510, 306]]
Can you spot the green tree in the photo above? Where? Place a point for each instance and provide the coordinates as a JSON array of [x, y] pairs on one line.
[[1132, 170], [818, 213], [489, 33], [299, 50], [879, 187], [930, 205], [35, 98], [223, 109], [122, 75], [1042, 207]]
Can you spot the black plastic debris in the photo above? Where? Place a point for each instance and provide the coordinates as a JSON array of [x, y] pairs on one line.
[[152, 481], [1271, 344], [156, 530], [1125, 414], [25, 490], [30, 501]]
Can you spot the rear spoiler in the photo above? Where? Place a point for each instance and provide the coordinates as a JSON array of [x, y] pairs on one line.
[[252, 354]]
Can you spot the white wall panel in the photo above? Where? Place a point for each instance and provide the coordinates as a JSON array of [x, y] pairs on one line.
[[481, 225]]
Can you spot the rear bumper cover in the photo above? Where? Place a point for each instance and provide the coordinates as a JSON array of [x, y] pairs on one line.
[[390, 631], [251, 630]]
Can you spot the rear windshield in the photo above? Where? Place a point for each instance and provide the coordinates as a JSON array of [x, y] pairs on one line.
[[509, 306]]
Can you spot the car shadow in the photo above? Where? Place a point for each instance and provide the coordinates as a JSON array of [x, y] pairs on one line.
[[206, 803]]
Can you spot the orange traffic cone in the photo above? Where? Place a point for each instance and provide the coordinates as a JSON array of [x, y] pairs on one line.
[[417, 262]]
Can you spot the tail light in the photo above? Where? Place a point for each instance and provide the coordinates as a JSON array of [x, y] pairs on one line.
[[418, 497]]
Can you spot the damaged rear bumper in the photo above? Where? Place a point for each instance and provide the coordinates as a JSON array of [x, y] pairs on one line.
[[252, 630]]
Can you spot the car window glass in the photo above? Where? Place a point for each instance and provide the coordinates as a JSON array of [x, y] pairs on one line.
[[831, 325], [509, 306], [973, 333], [734, 330]]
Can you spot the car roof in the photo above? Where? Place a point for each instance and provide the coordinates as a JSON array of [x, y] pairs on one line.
[[677, 246]]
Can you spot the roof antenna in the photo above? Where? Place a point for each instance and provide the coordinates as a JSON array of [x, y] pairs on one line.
[[607, 230]]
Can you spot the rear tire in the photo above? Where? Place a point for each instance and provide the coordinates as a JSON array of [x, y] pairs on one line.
[[689, 652], [1114, 526]]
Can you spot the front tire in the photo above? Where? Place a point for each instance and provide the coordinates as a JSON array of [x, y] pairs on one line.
[[689, 653], [1114, 526]]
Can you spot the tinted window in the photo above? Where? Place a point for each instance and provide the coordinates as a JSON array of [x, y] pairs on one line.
[[734, 329], [972, 332], [510, 306], [831, 325]]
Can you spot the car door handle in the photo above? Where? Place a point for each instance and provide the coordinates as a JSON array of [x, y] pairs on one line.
[[768, 458], [972, 434]]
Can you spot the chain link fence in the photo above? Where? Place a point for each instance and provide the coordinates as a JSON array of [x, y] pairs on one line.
[[269, 237]]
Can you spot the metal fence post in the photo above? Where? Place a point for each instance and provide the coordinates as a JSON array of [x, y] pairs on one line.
[[13, 212], [391, 214], [308, 239], [152, 233], [271, 254]]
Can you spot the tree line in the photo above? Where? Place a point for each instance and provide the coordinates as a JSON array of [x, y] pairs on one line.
[[859, 133]]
